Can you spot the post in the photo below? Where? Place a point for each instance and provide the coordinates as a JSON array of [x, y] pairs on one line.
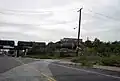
[[78, 46]]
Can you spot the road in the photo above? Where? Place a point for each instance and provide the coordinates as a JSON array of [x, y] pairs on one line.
[[22, 69], [25, 69], [65, 73], [7, 63]]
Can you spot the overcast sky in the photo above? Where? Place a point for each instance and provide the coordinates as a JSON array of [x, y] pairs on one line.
[[51, 20]]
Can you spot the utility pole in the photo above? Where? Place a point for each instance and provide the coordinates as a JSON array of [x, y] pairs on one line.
[[78, 46]]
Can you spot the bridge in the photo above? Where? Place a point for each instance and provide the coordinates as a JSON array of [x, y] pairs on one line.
[[21, 47]]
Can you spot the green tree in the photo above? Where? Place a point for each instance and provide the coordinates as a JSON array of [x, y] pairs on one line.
[[88, 43], [96, 42]]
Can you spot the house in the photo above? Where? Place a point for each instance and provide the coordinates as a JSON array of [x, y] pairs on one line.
[[70, 42]]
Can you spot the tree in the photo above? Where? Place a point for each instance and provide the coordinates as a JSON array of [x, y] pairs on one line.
[[88, 43], [96, 42], [51, 47]]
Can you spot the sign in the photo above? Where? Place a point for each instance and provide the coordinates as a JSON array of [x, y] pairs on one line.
[[7, 43], [25, 43], [40, 44]]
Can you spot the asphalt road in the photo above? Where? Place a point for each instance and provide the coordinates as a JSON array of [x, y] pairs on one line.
[[65, 73], [21, 69], [25, 69], [7, 63]]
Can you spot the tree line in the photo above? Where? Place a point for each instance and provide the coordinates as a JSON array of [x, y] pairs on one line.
[[102, 48]]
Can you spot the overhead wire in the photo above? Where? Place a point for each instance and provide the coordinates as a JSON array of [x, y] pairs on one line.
[[93, 16], [14, 12], [103, 15]]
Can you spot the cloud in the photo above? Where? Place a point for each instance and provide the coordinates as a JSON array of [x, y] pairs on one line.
[[51, 20], [16, 36]]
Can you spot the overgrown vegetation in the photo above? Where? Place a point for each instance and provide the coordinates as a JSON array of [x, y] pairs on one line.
[[44, 56], [111, 61], [98, 52], [93, 53], [87, 60]]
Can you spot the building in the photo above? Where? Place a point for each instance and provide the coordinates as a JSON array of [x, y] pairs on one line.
[[69, 42]]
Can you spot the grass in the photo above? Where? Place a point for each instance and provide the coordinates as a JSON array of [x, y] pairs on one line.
[[85, 60], [44, 56], [112, 60], [88, 61]]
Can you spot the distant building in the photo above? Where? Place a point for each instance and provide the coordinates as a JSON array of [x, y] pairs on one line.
[[40, 44], [71, 40]]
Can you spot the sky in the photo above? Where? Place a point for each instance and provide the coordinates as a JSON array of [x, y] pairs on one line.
[[52, 20]]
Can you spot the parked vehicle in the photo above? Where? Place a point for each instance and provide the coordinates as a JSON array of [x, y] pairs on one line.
[[11, 53]]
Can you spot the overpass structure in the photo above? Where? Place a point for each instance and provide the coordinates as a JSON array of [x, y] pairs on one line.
[[21, 48]]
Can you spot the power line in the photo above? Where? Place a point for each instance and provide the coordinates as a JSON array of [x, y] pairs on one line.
[[20, 12], [11, 12], [14, 13], [104, 15], [94, 16], [27, 11]]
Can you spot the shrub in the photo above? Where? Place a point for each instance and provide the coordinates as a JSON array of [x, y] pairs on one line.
[[86, 63], [111, 61], [75, 60]]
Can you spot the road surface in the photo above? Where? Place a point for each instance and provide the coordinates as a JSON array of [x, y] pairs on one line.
[[65, 73], [25, 69], [7, 63]]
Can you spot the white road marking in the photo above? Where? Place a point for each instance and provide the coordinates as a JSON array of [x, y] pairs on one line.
[[88, 71]]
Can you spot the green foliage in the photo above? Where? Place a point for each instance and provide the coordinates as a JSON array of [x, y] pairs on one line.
[[87, 60], [75, 60], [102, 48], [93, 52], [111, 61], [86, 63], [88, 43]]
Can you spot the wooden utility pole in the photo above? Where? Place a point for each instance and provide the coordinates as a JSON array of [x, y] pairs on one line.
[[78, 43]]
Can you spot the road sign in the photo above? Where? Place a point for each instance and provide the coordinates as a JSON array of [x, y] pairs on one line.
[[7, 43], [25, 43]]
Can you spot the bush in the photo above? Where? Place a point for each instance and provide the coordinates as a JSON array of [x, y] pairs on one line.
[[76, 60], [92, 59], [86, 63], [111, 61]]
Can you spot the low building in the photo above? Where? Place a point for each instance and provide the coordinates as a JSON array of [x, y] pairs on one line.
[[70, 42]]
